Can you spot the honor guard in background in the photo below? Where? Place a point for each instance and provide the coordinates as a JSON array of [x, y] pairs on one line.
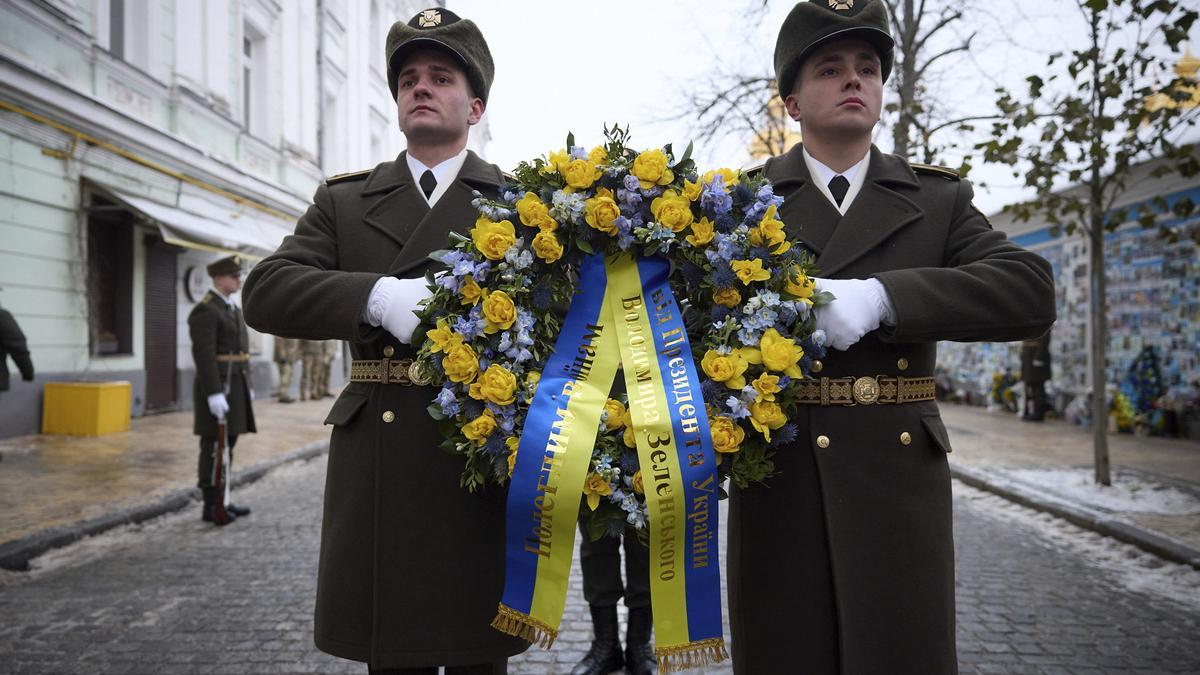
[[310, 373], [328, 352], [1035, 371], [220, 348], [287, 352], [844, 562], [12, 343], [412, 564], [600, 563]]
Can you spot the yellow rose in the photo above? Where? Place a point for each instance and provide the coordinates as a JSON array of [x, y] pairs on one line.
[[596, 487], [481, 427], [616, 414], [702, 233], [727, 297], [470, 291], [767, 385], [460, 363], [727, 435], [511, 443], [651, 169], [498, 311], [728, 176], [770, 233], [546, 246], [602, 211], [534, 213], [598, 155], [776, 353], [493, 239], [692, 190], [627, 436], [673, 210], [556, 161], [766, 416], [728, 368], [531, 383], [638, 487], [580, 174], [442, 337], [496, 384], [801, 286], [750, 270]]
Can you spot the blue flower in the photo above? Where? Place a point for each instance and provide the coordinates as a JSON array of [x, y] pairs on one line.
[[737, 408], [541, 296], [784, 435], [636, 518], [631, 183], [714, 199], [519, 258], [448, 402], [579, 152]]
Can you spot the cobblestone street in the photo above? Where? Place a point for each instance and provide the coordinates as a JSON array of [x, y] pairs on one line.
[[1036, 595]]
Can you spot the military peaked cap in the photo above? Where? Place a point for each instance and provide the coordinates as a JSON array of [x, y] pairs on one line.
[[442, 29], [225, 266], [812, 24]]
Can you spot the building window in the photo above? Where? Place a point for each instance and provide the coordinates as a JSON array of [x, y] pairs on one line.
[[116, 28], [110, 278], [254, 85]]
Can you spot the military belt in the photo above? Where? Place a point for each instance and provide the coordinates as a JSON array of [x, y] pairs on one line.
[[233, 358], [868, 390], [403, 372]]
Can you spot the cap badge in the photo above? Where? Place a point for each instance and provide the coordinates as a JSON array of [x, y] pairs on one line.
[[432, 17], [841, 5]]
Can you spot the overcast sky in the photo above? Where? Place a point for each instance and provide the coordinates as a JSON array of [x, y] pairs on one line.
[[574, 65]]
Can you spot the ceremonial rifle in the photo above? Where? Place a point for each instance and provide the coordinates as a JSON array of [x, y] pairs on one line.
[[220, 478]]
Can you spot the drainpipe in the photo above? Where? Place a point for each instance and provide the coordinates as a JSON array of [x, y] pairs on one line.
[[321, 86]]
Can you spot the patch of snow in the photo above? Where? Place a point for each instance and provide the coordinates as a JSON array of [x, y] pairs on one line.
[[1129, 493], [1127, 566]]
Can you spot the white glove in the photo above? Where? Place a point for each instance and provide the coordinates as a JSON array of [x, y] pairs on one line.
[[860, 306], [218, 406], [392, 305]]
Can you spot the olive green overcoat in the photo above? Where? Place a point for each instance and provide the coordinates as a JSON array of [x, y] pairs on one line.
[[845, 563], [216, 327], [412, 565]]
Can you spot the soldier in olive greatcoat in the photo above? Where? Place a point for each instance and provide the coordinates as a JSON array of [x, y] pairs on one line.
[[844, 563], [412, 564], [1035, 372], [220, 349]]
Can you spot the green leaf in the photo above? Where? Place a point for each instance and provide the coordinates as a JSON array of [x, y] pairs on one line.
[[570, 140], [435, 411]]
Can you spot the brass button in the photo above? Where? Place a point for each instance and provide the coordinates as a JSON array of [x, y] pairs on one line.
[[822, 441], [902, 364], [388, 351], [817, 366], [905, 438], [389, 416]]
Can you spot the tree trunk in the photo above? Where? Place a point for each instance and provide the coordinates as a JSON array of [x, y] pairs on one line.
[[1097, 311], [906, 85]]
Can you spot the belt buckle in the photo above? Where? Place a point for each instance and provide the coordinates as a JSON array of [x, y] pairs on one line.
[[865, 390]]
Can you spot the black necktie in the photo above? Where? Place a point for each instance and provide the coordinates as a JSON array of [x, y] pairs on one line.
[[838, 186], [428, 183]]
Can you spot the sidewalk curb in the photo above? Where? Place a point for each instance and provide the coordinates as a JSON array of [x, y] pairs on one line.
[[1090, 519], [16, 554]]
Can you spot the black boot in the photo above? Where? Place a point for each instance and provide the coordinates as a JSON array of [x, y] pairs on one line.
[[639, 653], [605, 655], [210, 505], [236, 510]]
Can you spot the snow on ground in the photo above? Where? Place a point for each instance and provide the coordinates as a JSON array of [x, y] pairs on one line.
[[1129, 493], [1127, 566]]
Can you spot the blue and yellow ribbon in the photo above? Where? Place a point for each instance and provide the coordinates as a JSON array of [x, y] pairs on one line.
[[623, 311]]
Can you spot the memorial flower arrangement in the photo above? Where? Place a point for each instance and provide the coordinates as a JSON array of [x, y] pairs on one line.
[[746, 293]]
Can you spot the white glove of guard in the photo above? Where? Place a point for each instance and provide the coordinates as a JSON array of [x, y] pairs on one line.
[[861, 305], [392, 305], [218, 406]]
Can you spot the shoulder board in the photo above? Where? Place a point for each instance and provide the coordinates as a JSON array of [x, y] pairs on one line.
[[755, 169], [206, 299], [509, 177], [935, 170], [343, 177]]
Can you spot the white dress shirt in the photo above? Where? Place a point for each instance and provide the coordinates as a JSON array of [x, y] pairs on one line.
[[822, 174], [445, 173]]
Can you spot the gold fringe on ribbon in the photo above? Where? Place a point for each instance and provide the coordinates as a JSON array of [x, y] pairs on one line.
[[520, 624], [700, 654]]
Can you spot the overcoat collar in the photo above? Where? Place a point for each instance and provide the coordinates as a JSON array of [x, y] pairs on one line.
[[879, 210], [401, 213]]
